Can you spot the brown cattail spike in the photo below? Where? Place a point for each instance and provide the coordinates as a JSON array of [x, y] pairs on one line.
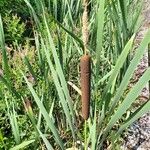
[[85, 84]]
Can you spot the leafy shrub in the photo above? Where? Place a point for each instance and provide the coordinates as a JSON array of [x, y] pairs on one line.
[[14, 28]]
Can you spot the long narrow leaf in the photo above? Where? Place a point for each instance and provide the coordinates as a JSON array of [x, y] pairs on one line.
[[59, 89], [119, 64], [22, 145], [47, 143], [139, 53], [58, 67], [133, 94], [4, 54], [137, 114], [45, 114], [100, 27]]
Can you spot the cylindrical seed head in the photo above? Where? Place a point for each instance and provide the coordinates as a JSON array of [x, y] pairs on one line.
[[85, 64]]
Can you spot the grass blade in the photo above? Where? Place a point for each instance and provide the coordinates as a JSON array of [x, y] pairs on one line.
[[22, 145], [47, 143], [100, 27], [4, 53]]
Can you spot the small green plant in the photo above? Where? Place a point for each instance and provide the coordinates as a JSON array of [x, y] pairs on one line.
[[14, 28]]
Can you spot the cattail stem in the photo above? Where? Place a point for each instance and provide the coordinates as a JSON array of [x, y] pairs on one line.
[[85, 135], [149, 64], [85, 85]]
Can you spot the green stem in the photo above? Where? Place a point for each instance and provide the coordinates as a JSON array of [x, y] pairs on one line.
[[149, 63], [85, 136]]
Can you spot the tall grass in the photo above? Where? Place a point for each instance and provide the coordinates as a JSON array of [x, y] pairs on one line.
[[59, 47]]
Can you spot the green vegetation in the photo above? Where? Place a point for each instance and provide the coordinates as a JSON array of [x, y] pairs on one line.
[[40, 101]]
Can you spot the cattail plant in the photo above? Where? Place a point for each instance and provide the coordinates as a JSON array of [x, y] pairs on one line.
[[85, 65]]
